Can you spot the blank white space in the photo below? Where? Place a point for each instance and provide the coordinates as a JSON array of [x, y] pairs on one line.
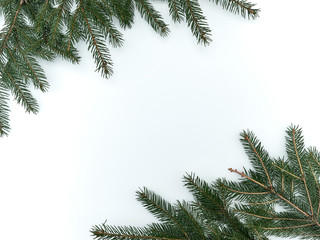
[[171, 107]]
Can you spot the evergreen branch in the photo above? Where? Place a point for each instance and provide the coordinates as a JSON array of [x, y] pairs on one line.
[[17, 64], [193, 184], [30, 9], [109, 11], [124, 11], [302, 173], [36, 29], [212, 230], [118, 9], [110, 232], [277, 194], [242, 5], [183, 206], [159, 207], [261, 203], [23, 33], [314, 159], [289, 227], [317, 183], [20, 91], [152, 16], [247, 193], [65, 54], [54, 10], [246, 137], [239, 6], [196, 21], [11, 27], [272, 218], [175, 10], [257, 233], [41, 14], [218, 217], [269, 212], [212, 203], [282, 179], [219, 212], [249, 178], [71, 30], [115, 37], [291, 174], [4, 3], [309, 235], [57, 21], [38, 75], [32, 47], [101, 59], [4, 111], [165, 230], [102, 233]]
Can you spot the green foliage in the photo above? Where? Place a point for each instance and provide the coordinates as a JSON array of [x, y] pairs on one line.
[[46, 29], [277, 197]]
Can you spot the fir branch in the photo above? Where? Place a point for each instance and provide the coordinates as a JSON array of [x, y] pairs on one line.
[[202, 191], [249, 178], [214, 231], [257, 155], [289, 227], [160, 208], [313, 157], [176, 10], [317, 184], [152, 16], [72, 29], [196, 21], [41, 13], [4, 42], [257, 233], [5, 3], [267, 202], [189, 215], [36, 72], [242, 7], [19, 89], [106, 8], [123, 10], [106, 26], [291, 174], [302, 172], [52, 28], [17, 64], [271, 218], [275, 193], [70, 54], [57, 23], [108, 232], [245, 210], [4, 110], [100, 52], [247, 193]]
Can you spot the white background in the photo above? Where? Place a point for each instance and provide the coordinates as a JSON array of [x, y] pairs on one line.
[[171, 107]]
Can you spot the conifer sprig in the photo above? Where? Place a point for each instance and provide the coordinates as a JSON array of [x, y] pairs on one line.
[[291, 184], [46, 29], [244, 8], [277, 197]]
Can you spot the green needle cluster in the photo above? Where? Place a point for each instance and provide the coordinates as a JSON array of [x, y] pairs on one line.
[[277, 197], [46, 29]]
